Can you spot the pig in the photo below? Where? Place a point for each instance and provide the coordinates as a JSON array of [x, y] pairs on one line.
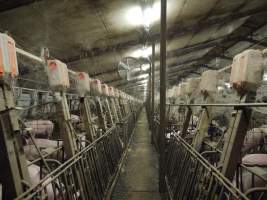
[[258, 160], [34, 172], [45, 147], [253, 139], [40, 128], [45, 143]]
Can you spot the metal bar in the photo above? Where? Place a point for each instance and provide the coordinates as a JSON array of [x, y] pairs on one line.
[[152, 91], [30, 56], [36, 58], [234, 138], [224, 104], [162, 166], [203, 124]]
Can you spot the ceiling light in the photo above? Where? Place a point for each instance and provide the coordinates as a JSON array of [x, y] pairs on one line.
[[265, 77], [138, 16]]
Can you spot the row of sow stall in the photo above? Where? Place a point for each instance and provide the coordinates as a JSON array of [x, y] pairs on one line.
[[216, 132], [67, 142]]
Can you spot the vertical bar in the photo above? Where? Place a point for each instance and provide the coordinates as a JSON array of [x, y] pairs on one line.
[[162, 166], [149, 91], [234, 139], [152, 92]]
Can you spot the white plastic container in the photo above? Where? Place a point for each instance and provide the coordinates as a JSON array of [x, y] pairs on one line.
[[105, 89], [192, 85], [82, 83], [58, 76], [95, 86], [208, 83], [247, 70], [8, 56]]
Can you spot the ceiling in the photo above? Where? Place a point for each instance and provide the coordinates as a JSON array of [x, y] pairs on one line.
[[94, 36]]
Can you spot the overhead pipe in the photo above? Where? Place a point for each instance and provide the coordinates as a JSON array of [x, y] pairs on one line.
[[36, 58]]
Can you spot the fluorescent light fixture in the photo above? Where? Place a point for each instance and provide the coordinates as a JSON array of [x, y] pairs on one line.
[[138, 16], [143, 52], [145, 67], [265, 77]]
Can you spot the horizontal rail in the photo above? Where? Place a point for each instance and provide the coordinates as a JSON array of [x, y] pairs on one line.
[[95, 166], [223, 104], [36, 58], [190, 175]]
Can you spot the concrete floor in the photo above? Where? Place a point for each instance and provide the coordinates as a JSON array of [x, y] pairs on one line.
[[139, 175]]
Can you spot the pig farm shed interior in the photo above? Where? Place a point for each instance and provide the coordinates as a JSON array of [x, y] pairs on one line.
[[133, 99]]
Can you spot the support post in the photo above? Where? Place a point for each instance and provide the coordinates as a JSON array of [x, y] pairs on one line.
[[66, 128], [162, 165], [235, 136], [116, 100], [100, 114], [203, 125], [152, 92], [114, 109], [13, 166], [108, 112], [87, 119]]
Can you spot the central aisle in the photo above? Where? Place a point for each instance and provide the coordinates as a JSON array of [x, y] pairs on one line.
[[139, 176]]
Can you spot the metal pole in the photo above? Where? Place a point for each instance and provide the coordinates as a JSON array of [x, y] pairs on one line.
[[223, 104], [153, 78], [149, 91], [152, 92], [162, 166]]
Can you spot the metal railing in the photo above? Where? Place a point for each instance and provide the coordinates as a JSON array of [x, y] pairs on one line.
[[90, 173], [248, 179], [191, 176]]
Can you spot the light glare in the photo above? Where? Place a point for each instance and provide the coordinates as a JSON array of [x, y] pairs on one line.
[[143, 76], [145, 67], [136, 16], [143, 52]]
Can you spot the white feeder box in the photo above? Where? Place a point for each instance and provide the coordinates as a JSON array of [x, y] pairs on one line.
[[83, 83], [58, 75], [111, 91], [208, 83], [105, 89], [8, 56], [95, 86], [192, 85], [247, 70]]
